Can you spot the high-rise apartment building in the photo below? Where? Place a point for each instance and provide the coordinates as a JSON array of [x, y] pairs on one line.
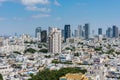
[[54, 41]]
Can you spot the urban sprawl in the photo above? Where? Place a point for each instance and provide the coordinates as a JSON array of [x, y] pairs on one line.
[[59, 54]]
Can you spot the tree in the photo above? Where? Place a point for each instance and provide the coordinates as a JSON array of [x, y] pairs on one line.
[[1, 77], [76, 54], [16, 52], [110, 51], [67, 48], [98, 49], [47, 56], [31, 50], [31, 42], [118, 53], [43, 50], [56, 74]]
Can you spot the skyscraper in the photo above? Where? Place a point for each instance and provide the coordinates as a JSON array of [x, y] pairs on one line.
[[87, 31], [109, 32], [115, 32], [67, 32], [93, 33], [83, 33], [38, 33], [44, 36], [63, 33], [76, 34], [99, 31], [49, 29], [54, 41], [80, 31]]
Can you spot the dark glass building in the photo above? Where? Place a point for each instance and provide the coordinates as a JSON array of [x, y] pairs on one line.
[[67, 32], [109, 32], [115, 32], [87, 31], [99, 31], [44, 36]]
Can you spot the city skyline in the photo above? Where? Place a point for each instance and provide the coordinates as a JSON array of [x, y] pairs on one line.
[[23, 16], [59, 40]]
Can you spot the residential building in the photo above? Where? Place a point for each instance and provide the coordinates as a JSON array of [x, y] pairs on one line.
[[54, 41]]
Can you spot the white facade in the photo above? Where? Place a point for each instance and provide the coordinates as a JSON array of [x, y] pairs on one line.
[[26, 37], [38, 36], [54, 41], [11, 48], [100, 37], [5, 69]]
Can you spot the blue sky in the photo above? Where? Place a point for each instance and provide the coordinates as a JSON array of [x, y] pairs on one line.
[[23, 16]]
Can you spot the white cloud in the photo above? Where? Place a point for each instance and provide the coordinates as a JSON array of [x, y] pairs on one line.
[[57, 3], [33, 2], [31, 5], [34, 8], [28, 2], [41, 16]]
